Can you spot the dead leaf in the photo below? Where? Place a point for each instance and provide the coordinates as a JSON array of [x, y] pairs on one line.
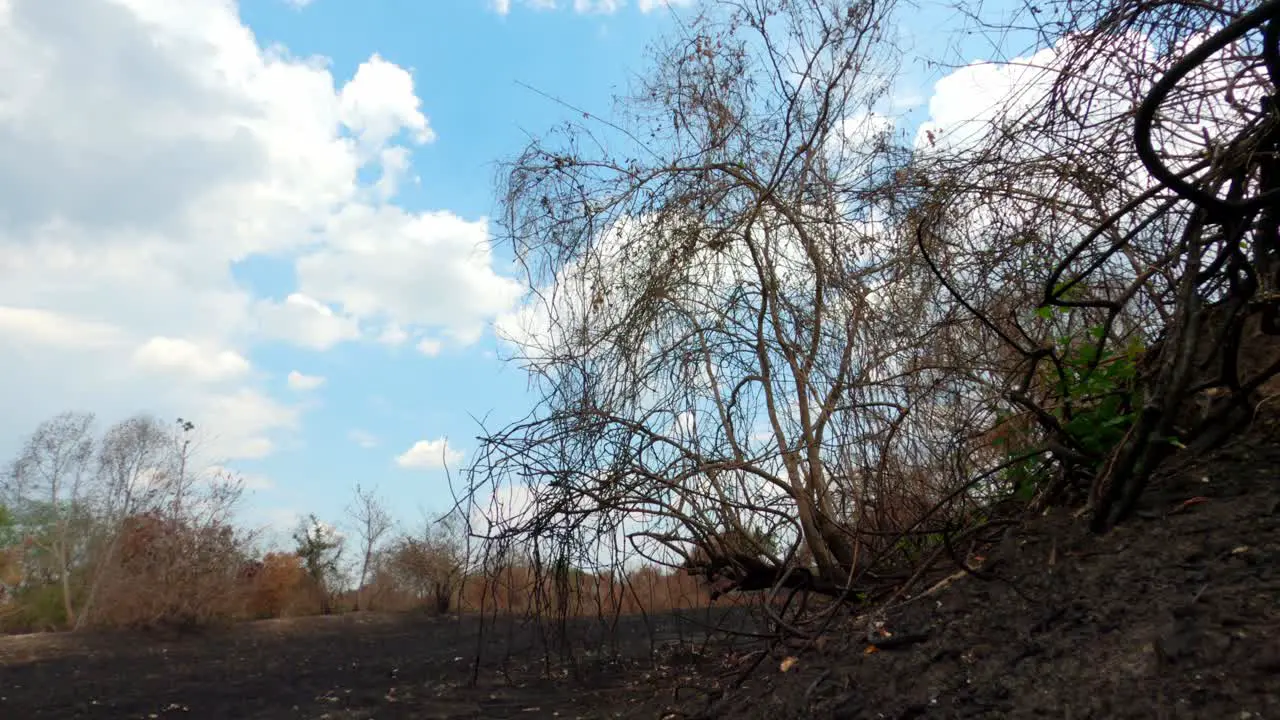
[[870, 650], [788, 663]]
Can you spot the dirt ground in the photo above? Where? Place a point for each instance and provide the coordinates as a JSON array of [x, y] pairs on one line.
[[1175, 615]]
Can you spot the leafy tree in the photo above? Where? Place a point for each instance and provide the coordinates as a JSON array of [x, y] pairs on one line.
[[53, 471], [320, 546]]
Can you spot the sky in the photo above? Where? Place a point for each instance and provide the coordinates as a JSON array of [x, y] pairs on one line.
[[271, 218]]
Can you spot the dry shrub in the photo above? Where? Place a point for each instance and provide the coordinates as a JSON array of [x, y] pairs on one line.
[[428, 570], [520, 590], [10, 569], [10, 577], [277, 587], [170, 574], [384, 592]]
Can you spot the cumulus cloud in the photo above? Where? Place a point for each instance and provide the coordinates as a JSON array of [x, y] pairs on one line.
[[429, 455], [306, 322], [966, 102], [189, 358], [507, 508], [430, 347], [41, 327], [430, 269], [379, 103], [147, 148], [300, 382]]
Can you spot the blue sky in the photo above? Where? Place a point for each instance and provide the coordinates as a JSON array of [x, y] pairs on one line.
[[185, 168], [467, 62]]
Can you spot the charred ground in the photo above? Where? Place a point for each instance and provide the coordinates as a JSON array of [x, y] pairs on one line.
[[1175, 614]]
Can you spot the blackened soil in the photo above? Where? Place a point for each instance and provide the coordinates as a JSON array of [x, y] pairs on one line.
[[1174, 615], [354, 666]]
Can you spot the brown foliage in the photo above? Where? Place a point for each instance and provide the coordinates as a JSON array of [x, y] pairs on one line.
[[276, 586], [648, 589], [170, 573]]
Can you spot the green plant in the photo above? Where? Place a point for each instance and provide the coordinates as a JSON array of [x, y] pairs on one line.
[[37, 608], [1091, 395], [1097, 386]]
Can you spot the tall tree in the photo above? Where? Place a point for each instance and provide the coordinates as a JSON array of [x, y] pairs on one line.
[[707, 278], [320, 547], [372, 523], [54, 470], [132, 460]]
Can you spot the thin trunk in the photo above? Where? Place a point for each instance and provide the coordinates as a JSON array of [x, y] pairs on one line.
[[364, 573], [65, 571], [99, 573]]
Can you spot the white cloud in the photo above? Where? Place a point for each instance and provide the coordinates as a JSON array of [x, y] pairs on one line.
[[647, 6], [503, 7], [393, 335], [298, 4], [239, 423], [430, 347], [602, 7], [186, 357], [507, 507], [28, 325], [275, 526], [428, 270], [379, 102], [585, 7], [429, 455], [306, 322], [249, 481], [967, 101], [148, 146], [302, 383], [362, 438]]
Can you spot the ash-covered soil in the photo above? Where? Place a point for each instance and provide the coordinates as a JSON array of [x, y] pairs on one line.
[[351, 666], [1174, 615]]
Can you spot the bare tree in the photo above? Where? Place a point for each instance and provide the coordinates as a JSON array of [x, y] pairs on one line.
[[430, 564], [130, 467], [752, 313], [169, 552], [1126, 208], [711, 287], [372, 523], [54, 470]]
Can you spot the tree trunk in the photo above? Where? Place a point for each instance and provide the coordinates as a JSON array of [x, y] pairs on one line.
[[66, 587], [364, 574]]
